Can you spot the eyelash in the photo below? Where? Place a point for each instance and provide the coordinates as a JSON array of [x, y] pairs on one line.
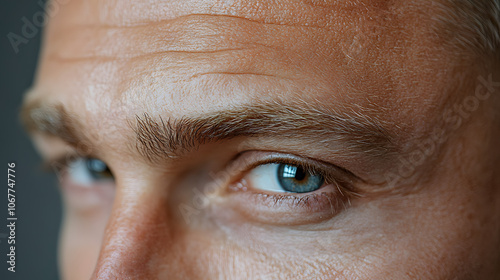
[[308, 167], [61, 164], [335, 194], [343, 185], [288, 209]]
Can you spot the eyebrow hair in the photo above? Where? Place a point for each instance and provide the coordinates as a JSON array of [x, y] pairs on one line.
[[157, 138], [54, 120]]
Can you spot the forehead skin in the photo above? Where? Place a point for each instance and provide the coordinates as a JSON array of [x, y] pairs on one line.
[[177, 58], [108, 61]]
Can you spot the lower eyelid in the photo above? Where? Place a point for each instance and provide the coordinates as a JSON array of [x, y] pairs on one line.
[[283, 208], [87, 198], [290, 209]]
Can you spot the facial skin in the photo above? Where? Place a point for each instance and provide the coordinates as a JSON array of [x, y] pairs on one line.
[[365, 91]]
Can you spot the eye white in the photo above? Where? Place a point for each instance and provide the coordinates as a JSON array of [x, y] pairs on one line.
[[79, 172], [265, 177]]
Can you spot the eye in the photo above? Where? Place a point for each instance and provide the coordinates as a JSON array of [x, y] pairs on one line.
[[87, 184], [282, 177], [287, 190], [86, 171]]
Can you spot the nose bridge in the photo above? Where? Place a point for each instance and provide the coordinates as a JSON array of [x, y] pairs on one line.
[[138, 223]]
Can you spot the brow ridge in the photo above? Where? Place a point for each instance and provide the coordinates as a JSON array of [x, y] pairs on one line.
[[157, 137]]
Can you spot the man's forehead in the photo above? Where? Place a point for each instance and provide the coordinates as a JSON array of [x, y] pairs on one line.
[[299, 12], [180, 57], [96, 27]]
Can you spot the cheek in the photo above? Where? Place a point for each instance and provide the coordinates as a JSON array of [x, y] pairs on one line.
[[82, 233], [209, 255], [79, 247]]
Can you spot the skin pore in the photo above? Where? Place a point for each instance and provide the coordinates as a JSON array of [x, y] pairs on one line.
[[182, 100]]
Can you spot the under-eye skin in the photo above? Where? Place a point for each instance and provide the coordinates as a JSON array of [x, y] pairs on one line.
[[283, 189], [87, 184]]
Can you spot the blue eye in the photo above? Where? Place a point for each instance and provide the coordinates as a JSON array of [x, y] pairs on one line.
[[295, 179], [98, 169], [86, 171], [280, 177]]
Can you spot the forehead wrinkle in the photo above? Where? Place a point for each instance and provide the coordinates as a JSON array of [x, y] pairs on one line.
[[185, 28], [195, 33], [149, 65], [280, 12], [158, 138]]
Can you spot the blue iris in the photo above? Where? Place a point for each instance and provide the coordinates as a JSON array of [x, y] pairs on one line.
[[295, 179], [98, 169]]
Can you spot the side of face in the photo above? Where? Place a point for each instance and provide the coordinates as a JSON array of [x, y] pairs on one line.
[[178, 124]]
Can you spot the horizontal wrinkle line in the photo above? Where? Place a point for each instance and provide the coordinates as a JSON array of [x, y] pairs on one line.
[[183, 17], [261, 22], [237, 73], [106, 57]]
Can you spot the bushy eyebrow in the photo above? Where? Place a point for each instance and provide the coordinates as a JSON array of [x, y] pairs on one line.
[[157, 138], [54, 120]]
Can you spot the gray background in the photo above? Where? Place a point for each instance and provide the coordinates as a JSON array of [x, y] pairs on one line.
[[37, 199]]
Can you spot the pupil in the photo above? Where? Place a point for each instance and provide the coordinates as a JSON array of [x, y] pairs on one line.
[[300, 174]]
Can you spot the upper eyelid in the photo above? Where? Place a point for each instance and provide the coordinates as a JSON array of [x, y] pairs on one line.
[[62, 162], [240, 164], [307, 166], [56, 164], [332, 173]]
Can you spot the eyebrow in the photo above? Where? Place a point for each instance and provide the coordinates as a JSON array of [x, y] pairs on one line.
[[54, 120], [157, 138]]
